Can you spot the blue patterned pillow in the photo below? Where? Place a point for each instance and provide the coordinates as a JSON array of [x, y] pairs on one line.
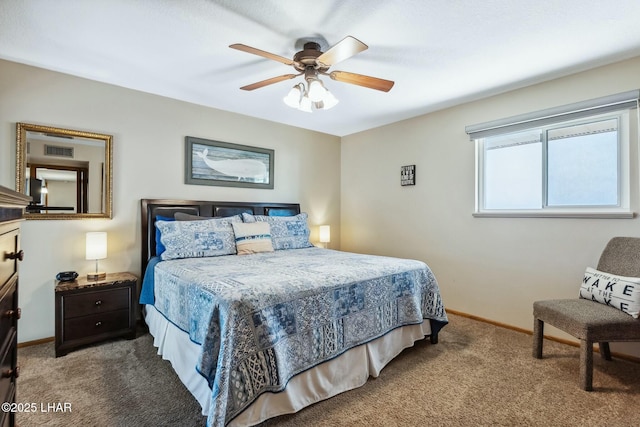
[[195, 239], [159, 246], [287, 232]]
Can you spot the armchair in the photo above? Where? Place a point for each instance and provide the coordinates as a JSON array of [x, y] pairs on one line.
[[591, 321]]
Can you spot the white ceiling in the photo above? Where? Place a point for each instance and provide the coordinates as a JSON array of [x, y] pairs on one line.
[[439, 52]]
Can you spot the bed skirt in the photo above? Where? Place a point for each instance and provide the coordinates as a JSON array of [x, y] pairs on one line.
[[348, 371]]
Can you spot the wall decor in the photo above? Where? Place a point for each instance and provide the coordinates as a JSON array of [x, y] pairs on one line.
[[225, 164], [408, 175]]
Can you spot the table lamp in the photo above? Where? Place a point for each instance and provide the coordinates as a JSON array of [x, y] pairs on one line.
[[325, 234], [96, 249]]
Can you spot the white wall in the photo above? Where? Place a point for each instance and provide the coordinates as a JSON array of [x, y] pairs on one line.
[[148, 162], [489, 267]]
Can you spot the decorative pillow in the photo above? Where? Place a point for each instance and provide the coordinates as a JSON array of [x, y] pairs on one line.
[[287, 232], [252, 238], [159, 246], [620, 292], [194, 239]]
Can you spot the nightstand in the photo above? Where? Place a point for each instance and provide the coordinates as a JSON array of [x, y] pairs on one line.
[[90, 311]]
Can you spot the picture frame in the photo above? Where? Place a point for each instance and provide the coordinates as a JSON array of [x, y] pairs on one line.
[[209, 162], [408, 175]]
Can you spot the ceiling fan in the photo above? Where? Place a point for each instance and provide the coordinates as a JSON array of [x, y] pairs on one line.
[[311, 62]]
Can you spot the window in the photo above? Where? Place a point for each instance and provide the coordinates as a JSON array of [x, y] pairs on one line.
[[559, 162]]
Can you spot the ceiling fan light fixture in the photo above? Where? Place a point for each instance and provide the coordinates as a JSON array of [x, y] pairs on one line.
[[304, 98]]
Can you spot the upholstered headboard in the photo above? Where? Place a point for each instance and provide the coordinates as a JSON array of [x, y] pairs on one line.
[[151, 208]]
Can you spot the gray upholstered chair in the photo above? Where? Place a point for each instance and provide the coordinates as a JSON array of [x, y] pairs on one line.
[[591, 321]]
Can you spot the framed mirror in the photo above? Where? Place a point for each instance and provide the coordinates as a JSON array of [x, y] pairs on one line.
[[66, 172]]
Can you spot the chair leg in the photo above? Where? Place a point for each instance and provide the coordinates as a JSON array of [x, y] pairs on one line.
[[604, 350], [586, 365], [538, 331]]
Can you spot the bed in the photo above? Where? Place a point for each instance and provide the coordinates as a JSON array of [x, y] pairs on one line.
[[269, 333]]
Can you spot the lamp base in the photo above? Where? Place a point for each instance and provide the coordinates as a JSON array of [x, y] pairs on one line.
[[96, 276]]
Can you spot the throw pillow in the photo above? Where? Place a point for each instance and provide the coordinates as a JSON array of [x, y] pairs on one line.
[[620, 292], [287, 232], [195, 239], [253, 237], [159, 246]]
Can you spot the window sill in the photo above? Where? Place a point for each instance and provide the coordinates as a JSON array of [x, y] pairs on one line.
[[556, 214]]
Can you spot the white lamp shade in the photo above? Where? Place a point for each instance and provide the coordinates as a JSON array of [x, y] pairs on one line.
[[316, 91], [329, 101], [305, 104], [293, 97], [96, 245], [325, 234]]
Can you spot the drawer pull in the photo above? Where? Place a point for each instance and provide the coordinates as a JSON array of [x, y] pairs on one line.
[[16, 314], [99, 302], [8, 373], [15, 255], [98, 324]]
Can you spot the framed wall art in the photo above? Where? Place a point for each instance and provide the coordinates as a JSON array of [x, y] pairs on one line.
[[209, 162], [408, 175]]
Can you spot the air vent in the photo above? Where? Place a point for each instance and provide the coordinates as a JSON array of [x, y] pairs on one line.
[[56, 135], [52, 150]]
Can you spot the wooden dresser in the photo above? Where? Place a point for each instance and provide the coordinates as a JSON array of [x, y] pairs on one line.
[[12, 206]]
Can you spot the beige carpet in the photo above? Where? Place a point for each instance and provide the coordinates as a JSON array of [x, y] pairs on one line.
[[478, 375]]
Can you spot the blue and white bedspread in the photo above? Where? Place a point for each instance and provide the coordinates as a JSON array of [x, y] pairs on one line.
[[263, 318]]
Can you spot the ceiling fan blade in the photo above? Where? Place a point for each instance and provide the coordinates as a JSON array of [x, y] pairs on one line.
[[268, 82], [345, 48], [262, 53], [362, 80]]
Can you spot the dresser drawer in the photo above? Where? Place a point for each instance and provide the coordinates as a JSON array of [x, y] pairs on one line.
[[96, 324], [94, 302], [7, 372], [8, 246], [8, 312]]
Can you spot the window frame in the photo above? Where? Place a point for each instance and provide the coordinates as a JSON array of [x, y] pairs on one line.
[[622, 210]]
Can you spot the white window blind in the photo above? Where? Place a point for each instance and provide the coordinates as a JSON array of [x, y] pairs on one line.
[[549, 116]]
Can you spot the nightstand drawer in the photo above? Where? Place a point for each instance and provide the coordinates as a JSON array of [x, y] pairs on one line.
[[94, 302], [96, 324]]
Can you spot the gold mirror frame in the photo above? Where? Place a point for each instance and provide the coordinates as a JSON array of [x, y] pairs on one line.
[[21, 165]]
